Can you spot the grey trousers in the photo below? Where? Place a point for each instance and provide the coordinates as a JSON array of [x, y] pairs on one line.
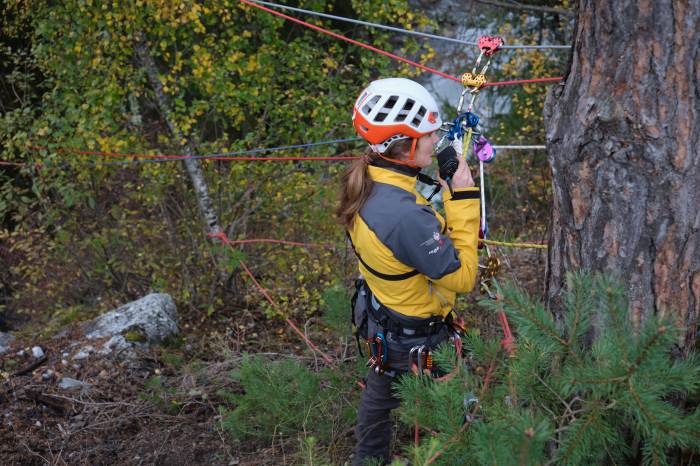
[[373, 430]]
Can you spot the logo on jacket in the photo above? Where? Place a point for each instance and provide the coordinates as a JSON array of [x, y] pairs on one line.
[[430, 242]]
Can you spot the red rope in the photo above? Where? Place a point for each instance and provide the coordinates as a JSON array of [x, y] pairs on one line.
[[280, 241], [508, 339], [388, 54], [352, 41], [180, 157], [523, 81], [222, 236], [117, 154]]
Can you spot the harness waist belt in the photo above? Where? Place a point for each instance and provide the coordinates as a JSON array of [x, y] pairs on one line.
[[402, 325]]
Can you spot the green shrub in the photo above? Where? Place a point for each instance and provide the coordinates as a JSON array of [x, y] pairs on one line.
[[560, 399], [279, 398]]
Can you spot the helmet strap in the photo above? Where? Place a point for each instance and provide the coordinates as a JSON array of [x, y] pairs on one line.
[[411, 162]]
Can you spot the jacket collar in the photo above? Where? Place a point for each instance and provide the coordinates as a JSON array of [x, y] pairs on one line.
[[395, 176]]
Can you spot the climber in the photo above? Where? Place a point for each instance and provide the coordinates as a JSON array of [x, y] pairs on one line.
[[412, 261]]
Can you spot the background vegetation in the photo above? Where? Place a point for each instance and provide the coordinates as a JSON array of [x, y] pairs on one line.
[[80, 234]]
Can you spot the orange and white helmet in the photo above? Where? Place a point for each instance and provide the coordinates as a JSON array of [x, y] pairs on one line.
[[395, 108]]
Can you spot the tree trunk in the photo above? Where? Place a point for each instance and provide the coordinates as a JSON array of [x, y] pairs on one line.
[[622, 137], [193, 167]]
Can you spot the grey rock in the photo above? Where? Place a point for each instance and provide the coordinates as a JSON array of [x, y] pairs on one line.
[[116, 344], [37, 352], [66, 383], [5, 340], [154, 317], [84, 353]]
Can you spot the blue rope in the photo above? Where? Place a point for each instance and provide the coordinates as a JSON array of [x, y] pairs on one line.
[[401, 30], [233, 154]]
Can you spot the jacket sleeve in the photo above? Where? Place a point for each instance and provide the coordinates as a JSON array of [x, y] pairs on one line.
[[447, 259], [462, 216]]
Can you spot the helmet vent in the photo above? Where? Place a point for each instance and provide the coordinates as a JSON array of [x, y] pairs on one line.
[[419, 117], [390, 102], [380, 116], [370, 104], [403, 113]]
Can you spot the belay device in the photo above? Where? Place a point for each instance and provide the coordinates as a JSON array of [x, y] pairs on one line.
[[464, 132]]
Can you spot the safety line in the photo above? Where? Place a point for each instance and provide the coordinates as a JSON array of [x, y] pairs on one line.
[[217, 156], [295, 146], [523, 81], [280, 241], [388, 54], [513, 245], [352, 41], [229, 159], [222, 236], [401, 30], [523, 147], [160, 158]]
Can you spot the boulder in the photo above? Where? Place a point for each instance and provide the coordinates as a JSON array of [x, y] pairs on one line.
[[5, 341], [148, 320]]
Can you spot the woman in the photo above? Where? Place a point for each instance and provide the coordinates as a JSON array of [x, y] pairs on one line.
[[413, 261]]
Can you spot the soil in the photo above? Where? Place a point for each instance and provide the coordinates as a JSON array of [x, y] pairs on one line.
[[160, 408]]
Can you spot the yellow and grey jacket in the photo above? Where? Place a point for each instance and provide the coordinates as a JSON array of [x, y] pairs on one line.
[[413, 261]]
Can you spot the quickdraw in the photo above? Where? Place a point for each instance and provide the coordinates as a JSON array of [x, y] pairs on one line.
[[466, 120], [420, 360], [378, 351]]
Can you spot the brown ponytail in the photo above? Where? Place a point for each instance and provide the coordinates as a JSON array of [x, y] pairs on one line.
[[356, 184]]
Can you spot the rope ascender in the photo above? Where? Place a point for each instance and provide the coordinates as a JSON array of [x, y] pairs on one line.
[[465, 134]]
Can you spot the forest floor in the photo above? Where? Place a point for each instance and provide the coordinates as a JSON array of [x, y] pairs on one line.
[[163, 407]]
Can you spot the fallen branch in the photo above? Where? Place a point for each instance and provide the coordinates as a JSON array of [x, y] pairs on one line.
[[30, 367]]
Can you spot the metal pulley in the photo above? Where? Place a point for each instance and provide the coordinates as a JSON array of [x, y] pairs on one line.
[[484, 150], [474, 81]]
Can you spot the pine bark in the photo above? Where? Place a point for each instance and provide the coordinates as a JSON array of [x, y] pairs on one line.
[[622, 137]]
